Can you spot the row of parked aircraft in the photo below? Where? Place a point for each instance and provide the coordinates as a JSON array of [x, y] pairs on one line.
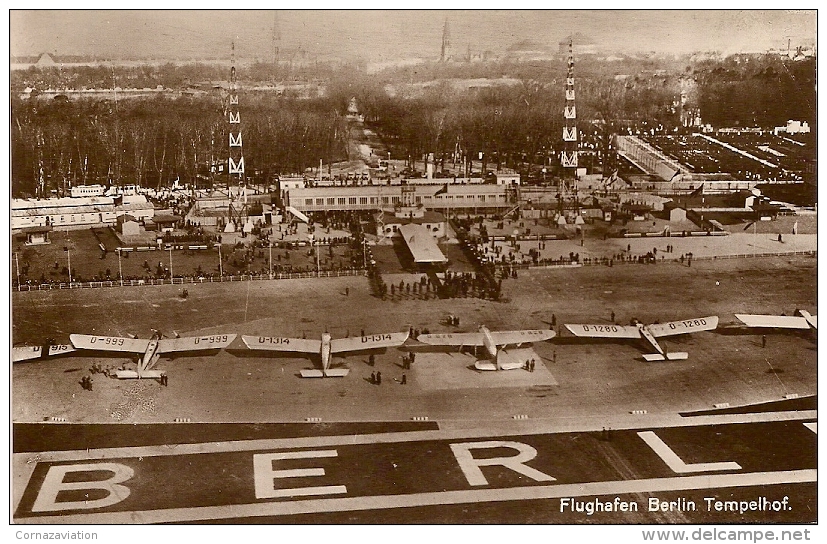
[[494, 342]]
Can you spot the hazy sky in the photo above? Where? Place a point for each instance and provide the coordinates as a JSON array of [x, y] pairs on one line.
[[384, 35]]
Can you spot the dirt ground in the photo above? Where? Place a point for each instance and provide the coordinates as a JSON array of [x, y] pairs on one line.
[[593, 379]]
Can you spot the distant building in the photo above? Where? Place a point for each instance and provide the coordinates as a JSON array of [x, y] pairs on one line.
[[794, 127], [37, 235], [166, 223], [79, 191], [508, 179], [464, 198], [127, 225], [83, 212], [389, 223]]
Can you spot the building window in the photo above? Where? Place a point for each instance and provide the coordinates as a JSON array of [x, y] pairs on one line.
[[331, 201], [373, 200], [394, 199], [418, 199], [308, 201], [351, 200], [341, 200], [384, 200], [481, 198], [492, 198], [363, 200], [319, 202]]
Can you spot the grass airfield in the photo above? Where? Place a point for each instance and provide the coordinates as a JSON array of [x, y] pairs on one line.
[[574, 380]]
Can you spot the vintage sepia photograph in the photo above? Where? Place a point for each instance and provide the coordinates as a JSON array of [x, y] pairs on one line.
[[416, 267]]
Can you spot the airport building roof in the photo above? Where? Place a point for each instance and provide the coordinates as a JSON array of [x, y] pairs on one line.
[[421, 244]]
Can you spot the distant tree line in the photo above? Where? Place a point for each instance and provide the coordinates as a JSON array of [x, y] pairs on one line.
[[153, 141]]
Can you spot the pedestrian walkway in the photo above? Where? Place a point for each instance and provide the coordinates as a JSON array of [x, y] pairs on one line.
[[743, 245]]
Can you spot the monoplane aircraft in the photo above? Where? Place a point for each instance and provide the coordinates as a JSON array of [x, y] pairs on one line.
[[494, 343], [151, 348], [326, 348], [648, 333]]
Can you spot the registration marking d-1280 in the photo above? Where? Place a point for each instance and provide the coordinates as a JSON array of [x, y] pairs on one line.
[[366, 472]]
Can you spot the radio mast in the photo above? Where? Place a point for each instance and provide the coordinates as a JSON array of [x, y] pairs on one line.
[[568, 158], [235, 163]]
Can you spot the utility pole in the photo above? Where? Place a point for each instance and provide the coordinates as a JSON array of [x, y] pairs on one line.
[[120, 269], [220, 266], [17, 265], [171, 280], [270, 260]]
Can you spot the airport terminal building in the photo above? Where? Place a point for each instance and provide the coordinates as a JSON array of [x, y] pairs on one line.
[[467, 198]]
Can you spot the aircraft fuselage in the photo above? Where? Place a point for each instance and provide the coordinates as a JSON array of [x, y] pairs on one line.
[[488, 342], [151, 354], [325, 351]]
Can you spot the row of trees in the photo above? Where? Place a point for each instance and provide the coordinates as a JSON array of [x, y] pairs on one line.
[[154, 141], [510, 123]]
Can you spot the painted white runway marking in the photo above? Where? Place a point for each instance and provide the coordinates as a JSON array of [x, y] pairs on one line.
[[265, 475], [530, 427], [349, 504], [676, 463]]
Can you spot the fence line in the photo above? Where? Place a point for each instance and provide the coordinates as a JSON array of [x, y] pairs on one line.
[[603, 261], [361, 272], [188, 281]]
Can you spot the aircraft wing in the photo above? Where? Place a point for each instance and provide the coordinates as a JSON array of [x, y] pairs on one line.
[[275, 343], [25, 353], [502, 338], [683, 327], [774, 321], [60, 349], [109, 343], [371, 341], [452, 339], [604, 331], [195, 343]]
